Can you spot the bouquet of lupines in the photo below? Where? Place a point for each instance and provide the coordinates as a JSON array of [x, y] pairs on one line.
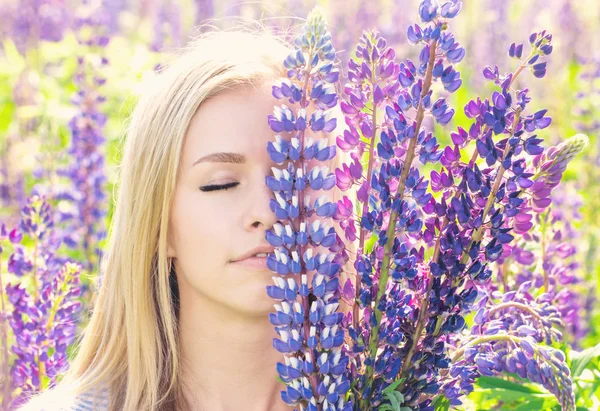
[[425, 247]]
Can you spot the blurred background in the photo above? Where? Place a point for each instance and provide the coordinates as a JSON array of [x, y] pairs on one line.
[[70, 74]]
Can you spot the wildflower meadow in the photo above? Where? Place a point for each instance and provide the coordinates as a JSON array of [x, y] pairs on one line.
[[470, 210]]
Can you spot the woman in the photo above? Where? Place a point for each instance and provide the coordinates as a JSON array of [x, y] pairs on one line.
[[180, 323]]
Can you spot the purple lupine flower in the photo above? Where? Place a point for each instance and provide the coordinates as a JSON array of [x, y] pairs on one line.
[[44, 328], [374, 82], [574, 295], [550, 166], [571, 29], [87, 192], [44, 315], [307, 318], [37, 222], [507, 336], [514, 213], [398, 89], [538, 179]]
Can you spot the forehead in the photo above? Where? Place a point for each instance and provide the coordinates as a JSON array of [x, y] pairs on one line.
[[236, 121], [231, 121]]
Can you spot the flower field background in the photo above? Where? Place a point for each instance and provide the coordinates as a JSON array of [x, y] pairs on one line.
[[70, 74]]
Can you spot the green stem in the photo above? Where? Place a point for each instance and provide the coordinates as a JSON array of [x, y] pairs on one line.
[[515, 305], [484, 338], [521, 67]]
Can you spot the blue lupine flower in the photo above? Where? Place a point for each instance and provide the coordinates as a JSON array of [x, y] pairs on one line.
[[306, 317]]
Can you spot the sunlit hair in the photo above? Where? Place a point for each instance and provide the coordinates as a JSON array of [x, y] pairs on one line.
[[131, 343]]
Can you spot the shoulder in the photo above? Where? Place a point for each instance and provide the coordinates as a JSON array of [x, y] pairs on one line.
[[57, 400]]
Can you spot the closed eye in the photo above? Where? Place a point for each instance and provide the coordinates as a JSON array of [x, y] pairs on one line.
[[218, 187]]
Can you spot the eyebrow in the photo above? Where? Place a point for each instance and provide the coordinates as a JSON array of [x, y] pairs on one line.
[[233, 158]]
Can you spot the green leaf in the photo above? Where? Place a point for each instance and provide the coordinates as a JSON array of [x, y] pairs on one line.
[[535, 404], [441, 403], [542, 402], [370, 243], [580, 360], [393, 386], [514, 395], [495, 382], [395, 398]]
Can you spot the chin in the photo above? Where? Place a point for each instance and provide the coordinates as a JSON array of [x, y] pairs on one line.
[[261, 306]]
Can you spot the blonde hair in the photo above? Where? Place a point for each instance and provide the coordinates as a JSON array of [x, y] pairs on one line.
[[131, 342]]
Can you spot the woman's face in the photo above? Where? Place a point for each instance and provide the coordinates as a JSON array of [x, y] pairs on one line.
[[210, 229]]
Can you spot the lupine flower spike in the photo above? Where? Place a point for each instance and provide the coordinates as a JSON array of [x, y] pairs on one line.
[[44, 301], [306, 285]]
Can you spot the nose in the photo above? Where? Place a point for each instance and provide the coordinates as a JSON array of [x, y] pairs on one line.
[[259, 212]]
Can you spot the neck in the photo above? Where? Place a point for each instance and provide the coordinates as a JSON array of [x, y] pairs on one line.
[[228, 361]]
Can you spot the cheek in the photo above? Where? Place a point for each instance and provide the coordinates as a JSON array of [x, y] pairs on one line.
[[199, 226], [200, 242]]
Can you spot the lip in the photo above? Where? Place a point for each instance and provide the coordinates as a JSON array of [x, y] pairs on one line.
[[253, 263], [264, 249]]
